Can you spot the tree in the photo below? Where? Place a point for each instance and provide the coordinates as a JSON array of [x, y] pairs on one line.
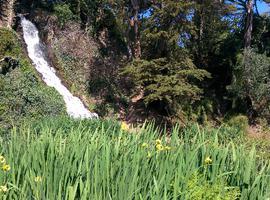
[[251, 83], [212, 44], [165, 72], [211, 28], [249, 23], [130, 12]]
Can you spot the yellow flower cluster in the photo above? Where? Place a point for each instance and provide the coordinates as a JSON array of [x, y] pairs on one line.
[[158, 141], [2, 160], [3, 189], [124, 126], [5, 166], [208, 161], [160, 147], [38, 179]]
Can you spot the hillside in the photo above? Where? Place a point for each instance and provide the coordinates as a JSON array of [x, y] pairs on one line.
[[23, 94]]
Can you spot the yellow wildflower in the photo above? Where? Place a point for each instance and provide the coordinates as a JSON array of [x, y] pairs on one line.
[[3, 188], [145, 145], [158, 141], [159, 147], [38, 179], [2, 160], [5, 167], [124, 126], [208, 161], [167, 148], [149, 154]]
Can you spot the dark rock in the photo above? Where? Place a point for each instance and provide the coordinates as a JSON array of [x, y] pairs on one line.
[[8, 64]]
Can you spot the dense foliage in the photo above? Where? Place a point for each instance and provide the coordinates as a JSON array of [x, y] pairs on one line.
[[23, 95], [179, 53], [69, 159], [174, 53], [252, 81]]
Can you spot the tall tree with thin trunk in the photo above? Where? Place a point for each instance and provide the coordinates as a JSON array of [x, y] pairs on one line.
[[135, 24], [249, 23], [247, 6]]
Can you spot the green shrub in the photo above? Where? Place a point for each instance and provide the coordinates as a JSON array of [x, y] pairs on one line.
[[251, 82], [9, 45], [63, 13], [24, 97], [199, 188], [200, 112], [239, 121]]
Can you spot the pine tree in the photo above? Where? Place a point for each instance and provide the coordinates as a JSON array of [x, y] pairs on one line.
[[166, 72]]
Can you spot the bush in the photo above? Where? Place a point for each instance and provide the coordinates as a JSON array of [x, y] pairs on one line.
[[251, 82], [9, 45], [24, 97], [199, 188], [240, 122], [63, 13]]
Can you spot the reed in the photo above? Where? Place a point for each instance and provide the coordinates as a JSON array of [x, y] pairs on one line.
[[97, 160]]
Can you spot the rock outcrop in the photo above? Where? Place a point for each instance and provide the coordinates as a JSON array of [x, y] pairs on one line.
[[7, 64], [6, 13]]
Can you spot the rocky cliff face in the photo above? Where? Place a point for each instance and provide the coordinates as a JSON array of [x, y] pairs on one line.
[[6, 13]]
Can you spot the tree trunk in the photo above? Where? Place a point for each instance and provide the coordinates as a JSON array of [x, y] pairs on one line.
[[6, 13], [137, 44], [201, 14], [249, 24], [247, 44]]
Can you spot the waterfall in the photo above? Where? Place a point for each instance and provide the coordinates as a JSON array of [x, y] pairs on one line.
[[75, 107]]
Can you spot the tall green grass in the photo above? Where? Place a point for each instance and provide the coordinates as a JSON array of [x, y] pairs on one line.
[[96, 160]]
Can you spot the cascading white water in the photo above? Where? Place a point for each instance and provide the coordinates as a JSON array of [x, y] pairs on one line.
[[75, 107]]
